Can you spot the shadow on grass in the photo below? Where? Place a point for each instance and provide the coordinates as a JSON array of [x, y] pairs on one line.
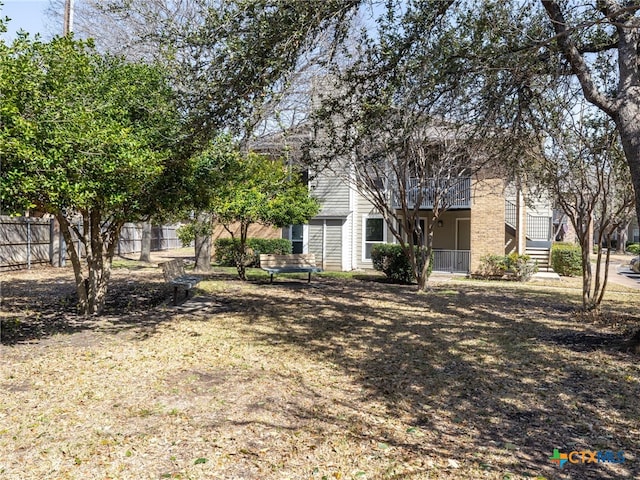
[[484, 370], [40, 304], [493, 375]]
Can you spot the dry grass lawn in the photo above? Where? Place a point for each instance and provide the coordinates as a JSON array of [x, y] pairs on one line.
[[343, 378]]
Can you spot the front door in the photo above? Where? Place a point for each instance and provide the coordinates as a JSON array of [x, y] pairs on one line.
[[463, 234]]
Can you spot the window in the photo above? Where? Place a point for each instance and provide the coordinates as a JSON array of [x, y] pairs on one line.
[[374, 233], [297, 238]]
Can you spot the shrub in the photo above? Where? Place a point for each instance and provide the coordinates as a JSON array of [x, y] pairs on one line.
[[492, 266], [226, 248], [390, 259], [566, 259], [187, 233], [634, 248], [521, 266], [498, 265]]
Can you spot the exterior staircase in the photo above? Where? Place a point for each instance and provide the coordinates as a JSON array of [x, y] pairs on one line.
[[540, 255], [538, 236]]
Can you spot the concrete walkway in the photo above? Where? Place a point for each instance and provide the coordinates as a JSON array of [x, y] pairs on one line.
[[619, 272]]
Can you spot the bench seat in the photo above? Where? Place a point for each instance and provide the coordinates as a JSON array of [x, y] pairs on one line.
[[174, 275], [292, 263]]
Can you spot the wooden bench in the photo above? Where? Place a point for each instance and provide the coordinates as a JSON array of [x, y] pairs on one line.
[[173, 272], [292, 263]]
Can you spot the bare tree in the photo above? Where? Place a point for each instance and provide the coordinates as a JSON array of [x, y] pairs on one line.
[[583, 164]]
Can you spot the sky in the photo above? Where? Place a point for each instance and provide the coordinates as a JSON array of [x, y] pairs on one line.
[[28, 15]]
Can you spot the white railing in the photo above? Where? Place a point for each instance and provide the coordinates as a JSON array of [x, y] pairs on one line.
[[453, 192], [510, 213], [452, 261], [539, 228]]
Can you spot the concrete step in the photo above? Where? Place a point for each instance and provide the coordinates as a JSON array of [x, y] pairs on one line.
[[541, 256]]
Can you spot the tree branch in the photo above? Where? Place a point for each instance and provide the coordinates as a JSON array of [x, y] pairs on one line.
[[575, 59]]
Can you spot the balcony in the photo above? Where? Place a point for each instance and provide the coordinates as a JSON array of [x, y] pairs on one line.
[[455, 193]]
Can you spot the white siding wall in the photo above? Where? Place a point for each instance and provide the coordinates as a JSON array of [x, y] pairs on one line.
[[364, 208], [316, 241], [540, 206], [333, 245], [326, 242], [331, 192]]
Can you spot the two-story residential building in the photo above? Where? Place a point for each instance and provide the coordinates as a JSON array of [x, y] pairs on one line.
[[488, 216]]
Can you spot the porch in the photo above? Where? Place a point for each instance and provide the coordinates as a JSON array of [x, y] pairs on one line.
[[451, 261]]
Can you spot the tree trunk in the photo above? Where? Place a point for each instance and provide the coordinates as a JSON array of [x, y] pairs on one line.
[[587, 274], [203, 243], [241, 252], [74, 255], [622, 234], [626, 120], [425, 259], [92, 280], [145, 250]]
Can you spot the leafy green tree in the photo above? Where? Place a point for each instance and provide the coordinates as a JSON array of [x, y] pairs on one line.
[[260, 190], [237, 191], [89, 139], [210, 169]]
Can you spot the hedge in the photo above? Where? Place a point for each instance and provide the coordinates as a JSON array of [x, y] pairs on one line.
[[520, 266], [225, 247], [634, 248], [390, 259], [566, 259]]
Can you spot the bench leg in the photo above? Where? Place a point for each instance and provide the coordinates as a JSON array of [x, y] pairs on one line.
[[271, 278], [309, 281], [175, 295]]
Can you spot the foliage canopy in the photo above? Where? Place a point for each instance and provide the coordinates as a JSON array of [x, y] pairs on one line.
[[88, 138]]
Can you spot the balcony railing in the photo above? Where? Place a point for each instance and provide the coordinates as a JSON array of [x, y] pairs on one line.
[[454, 193], [539, 228], [452, 261]]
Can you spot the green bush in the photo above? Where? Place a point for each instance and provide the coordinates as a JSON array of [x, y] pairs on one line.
[[634, 248], [187, 233], [521, 266], [225, 249], [390, 259], [566, 259], [492, 266]]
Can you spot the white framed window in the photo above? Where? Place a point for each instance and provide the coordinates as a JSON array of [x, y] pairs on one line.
[[374, 232], [297, 238]]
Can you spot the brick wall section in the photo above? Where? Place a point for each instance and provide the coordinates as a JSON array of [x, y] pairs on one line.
[[255, 231], [487, 219]]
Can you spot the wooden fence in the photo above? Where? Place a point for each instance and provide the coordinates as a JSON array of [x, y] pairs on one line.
[[29, 241]]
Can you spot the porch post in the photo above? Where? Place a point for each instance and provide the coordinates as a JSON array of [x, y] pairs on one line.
[[521, 223]]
